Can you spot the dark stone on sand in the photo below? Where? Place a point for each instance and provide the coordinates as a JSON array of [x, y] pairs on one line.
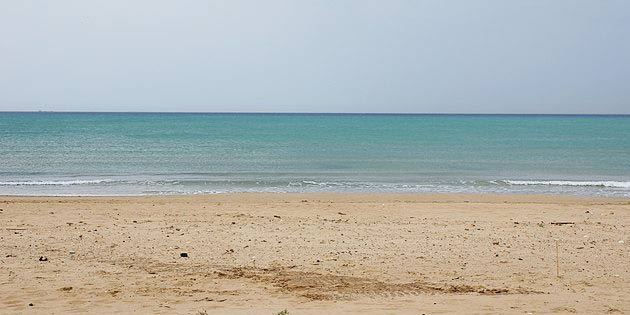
[[43, 258], [30, 304], [184, 255]]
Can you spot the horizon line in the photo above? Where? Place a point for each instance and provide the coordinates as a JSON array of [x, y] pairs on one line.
[[315, 113]]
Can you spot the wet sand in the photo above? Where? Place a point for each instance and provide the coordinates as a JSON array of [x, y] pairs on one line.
[[315, 254]]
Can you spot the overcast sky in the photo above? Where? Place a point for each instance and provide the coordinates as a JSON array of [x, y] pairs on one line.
[[316, 56]]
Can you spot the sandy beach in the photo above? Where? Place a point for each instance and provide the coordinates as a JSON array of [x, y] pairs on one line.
[[255, 253]]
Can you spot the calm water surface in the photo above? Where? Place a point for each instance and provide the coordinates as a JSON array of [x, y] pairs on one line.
[[158, 153]]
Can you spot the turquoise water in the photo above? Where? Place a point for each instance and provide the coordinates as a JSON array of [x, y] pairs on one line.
[[158, 153]]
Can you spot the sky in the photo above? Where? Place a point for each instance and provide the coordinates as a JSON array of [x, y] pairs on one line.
[[469, 56]]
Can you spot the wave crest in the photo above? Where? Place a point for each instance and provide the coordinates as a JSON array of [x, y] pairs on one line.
[[53, 182], [609, 184]]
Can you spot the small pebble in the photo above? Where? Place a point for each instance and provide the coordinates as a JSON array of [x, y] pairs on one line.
[[183, 255]]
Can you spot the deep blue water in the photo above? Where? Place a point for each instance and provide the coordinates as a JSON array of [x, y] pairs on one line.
[[165, 153]]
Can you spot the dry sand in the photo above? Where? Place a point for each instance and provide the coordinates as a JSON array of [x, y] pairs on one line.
[[314, 254]]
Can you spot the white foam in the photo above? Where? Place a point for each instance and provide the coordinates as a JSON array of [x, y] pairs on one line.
[[53, 182], [610, 184]]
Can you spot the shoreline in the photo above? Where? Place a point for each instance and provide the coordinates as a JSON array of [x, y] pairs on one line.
[[314, 253], [358, 196]]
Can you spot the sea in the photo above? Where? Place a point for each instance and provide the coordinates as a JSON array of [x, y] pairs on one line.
[[54, 153]]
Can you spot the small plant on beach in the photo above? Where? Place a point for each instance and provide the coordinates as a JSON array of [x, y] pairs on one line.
[[283, 312]]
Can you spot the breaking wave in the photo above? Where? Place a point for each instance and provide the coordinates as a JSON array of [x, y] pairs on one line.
[[54, 182], [609, 184]]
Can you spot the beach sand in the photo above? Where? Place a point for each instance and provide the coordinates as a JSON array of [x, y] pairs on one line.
[[331, 253]]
